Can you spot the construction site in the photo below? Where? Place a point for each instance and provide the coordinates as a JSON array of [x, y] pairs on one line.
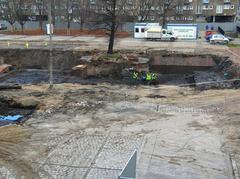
[[184, 125]]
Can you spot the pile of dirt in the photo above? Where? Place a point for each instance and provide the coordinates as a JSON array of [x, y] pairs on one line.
[[22, 102], [13, 105]]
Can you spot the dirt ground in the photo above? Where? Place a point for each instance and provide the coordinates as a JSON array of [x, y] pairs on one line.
[[90, 131]]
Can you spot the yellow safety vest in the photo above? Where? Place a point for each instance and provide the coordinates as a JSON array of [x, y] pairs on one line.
[[148, 77]]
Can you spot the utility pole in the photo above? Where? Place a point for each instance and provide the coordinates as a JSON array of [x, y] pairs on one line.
[[50, 44]]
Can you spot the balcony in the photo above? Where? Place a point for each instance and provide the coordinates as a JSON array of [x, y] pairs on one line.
[[187, 1], [227, 1], [205, 1]]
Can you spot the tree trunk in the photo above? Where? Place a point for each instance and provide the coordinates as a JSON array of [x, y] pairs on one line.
[[82, 25], [41, 24], [113, 28], [68, 28], [112, 37], [164, 19], [12, 28], [22, 27]]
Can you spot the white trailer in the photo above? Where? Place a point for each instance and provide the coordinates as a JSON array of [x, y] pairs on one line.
[[184, 31], [140, 28]]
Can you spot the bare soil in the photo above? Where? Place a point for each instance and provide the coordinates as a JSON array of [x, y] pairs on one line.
[[178, 116]]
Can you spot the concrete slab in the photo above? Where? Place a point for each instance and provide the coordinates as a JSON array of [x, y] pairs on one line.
[[58, 171], [103, 173], [89, 156], [77, 151]]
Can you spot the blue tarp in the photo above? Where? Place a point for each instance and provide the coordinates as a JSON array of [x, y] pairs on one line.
[[11, 118]]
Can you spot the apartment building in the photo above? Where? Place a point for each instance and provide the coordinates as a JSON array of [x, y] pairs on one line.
[[171, 11], [180, 11]]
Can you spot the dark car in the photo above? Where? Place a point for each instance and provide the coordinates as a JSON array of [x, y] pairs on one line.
[[208, 37], [3, 27]]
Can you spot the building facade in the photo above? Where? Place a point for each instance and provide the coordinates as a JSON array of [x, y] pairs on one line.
[[168, 11]]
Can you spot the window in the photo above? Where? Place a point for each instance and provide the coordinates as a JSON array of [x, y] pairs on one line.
[[198, 9], [226, 6], [136, 30], [219, 9], [205, 7], [142, 30], [227, 1], [205, 1], [93, 1], [130, 2]]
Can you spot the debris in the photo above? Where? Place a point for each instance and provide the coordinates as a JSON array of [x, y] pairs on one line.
[[155, 96], [20, 102], [9, 86], [5, 68], [142, 65], [84, 71], [143, 60], [87, 59], [11, 118], [209, 80]]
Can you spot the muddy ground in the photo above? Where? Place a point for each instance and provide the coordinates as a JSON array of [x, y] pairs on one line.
[[90, 131]]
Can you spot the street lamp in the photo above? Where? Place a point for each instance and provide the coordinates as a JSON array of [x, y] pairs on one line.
[[50, 32]]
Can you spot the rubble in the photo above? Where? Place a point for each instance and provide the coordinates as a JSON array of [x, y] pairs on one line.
[[87, 59], [10, 86], [19, 102], [5, 68], [84, 71]]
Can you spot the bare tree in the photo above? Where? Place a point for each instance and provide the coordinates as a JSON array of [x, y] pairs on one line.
[[143, 9], [23, 9], [166, 7], [54, 4], [82, 12], [67, 7], [112, 11], [8, 12], [41, 6]]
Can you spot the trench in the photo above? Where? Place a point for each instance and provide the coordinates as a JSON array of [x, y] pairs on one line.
[[31, 67]]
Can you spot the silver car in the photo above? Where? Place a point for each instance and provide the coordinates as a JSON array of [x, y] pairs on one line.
[[219, 39]]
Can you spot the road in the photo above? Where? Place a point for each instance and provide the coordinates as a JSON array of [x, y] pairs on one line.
[[92, 42]]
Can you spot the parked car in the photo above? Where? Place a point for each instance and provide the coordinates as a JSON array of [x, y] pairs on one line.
[[208, 37], [3, 27], [218, 39], [229, 38]]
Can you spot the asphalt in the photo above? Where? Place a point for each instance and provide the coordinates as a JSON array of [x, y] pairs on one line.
[[101, 43]]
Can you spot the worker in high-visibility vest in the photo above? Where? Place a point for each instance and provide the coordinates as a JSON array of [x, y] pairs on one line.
[[154, 76], [135, 75], [148, 76]]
